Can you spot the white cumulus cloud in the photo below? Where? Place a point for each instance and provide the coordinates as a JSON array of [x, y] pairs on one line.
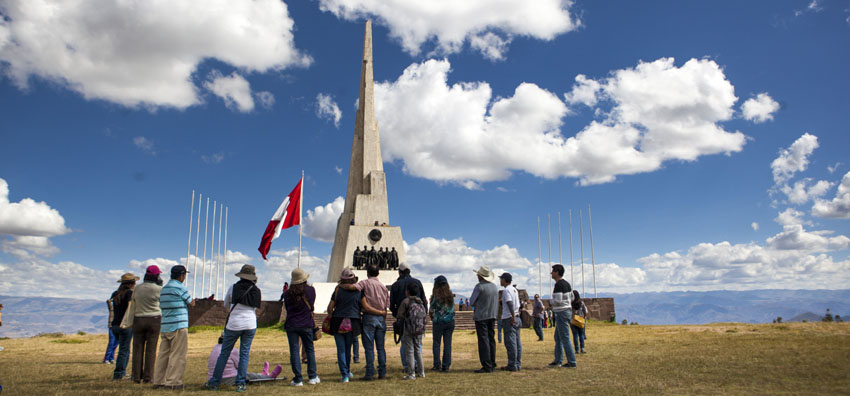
[[793, 159], [142, 53], [234, 89], [320, 222], [327, 109], [489, 25], [655, 112], [760, 108], [838, 207], [28, 217]]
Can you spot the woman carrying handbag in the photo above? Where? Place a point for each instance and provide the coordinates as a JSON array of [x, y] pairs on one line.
[[344, 311], [243, 298], [300, 327]]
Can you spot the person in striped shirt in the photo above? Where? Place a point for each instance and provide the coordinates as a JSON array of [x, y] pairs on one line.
[[174, 301]]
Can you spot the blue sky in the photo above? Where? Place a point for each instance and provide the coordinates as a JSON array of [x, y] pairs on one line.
[[710, 139]]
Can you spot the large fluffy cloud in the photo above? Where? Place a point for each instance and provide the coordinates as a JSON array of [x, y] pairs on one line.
[[652, 113], [838, 207], [488, 25], [321, 221], [28, 217], [142, 52]]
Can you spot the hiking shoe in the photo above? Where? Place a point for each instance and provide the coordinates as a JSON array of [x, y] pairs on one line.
[[569, 365], [314, 381], [209, 387], [409, 377], [293, 383], [241, 388]]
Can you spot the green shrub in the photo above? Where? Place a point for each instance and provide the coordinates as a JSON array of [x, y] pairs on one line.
[[50, 335], [69, 341]]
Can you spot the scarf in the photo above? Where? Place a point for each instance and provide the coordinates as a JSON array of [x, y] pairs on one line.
[[251, 299]]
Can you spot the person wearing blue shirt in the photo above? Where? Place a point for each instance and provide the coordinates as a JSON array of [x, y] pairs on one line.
[[174, 301]]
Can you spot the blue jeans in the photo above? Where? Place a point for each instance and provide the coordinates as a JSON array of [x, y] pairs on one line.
[[562, 337], [374, 333], [110, 347], [538, 328], [124, 337], [499, 329], [304, 335], [355, 348], [513, 343], [578, 337], [343, 352], [443, 332], [245, 338]]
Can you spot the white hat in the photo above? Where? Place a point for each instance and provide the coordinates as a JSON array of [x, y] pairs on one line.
[[403, 267], [485, 273]]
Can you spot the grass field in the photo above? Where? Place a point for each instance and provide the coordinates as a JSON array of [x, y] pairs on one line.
[[794, 358]]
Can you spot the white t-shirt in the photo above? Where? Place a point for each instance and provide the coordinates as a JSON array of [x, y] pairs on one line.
[[509, 294], [243, 317]]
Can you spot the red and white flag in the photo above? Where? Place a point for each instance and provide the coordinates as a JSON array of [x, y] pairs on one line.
[[287, 215]]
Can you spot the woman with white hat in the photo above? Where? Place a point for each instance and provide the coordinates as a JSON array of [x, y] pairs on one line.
[[299, 325], [243, 298]]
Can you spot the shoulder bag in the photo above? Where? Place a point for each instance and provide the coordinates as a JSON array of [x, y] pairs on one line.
[[233, 305], [326, 323], [317, 331], [129, 314]]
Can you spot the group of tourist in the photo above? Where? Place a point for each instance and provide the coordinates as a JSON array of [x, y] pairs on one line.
[[358, 309]]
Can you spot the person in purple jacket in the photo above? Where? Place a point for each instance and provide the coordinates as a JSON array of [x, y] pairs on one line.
[[298, 301]]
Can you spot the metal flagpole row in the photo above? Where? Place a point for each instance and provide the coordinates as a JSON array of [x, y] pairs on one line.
[[224, 267], [212, 271], [572, 278], [581, 249], [549, 230], [539, 260], [560, 256], [197, 237], [212, 251], [204, 260], [191, 217]]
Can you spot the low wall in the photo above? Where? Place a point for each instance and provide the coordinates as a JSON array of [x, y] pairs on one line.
[[597, 308], [213, 313]]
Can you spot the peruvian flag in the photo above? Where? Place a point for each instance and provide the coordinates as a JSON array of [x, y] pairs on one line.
[[287, 215]]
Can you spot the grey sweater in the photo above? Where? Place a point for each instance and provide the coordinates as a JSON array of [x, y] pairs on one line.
[[485, 299]]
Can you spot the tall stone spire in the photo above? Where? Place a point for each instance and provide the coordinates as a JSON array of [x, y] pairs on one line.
[[366, 195]]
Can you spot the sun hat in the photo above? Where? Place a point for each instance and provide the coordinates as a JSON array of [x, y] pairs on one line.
[[299, 276], [403, 267], [441, 280], [484, 272], [346, 274], [128, 277], [153, 270], [506, 276], [247, 272]]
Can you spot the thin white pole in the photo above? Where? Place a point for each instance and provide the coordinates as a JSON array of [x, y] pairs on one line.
[[549, 230], [204, 261], [560, 256], [300, 207], [592, 259], [218, 259], [224, 267], [539, 260], [212, 251], [189, 242], [581, 249], [195, 259], [572, 278]]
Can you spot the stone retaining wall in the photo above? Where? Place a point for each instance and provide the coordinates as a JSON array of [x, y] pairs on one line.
[[213, 313]]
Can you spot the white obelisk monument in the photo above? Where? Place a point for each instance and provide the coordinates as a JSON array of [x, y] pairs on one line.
[[366, 197]]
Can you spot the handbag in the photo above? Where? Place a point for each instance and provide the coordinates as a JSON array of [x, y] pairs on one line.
[[326, 323], [344, 326], [578, 321], [317, 331], [129, 314]]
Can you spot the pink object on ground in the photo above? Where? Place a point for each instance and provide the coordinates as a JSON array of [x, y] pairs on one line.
[[266, 368], [276, 371]]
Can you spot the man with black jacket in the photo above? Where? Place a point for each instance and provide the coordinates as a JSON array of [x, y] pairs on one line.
[[397, 295]]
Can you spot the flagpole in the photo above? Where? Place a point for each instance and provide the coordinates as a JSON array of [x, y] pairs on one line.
[[218, 258], [572, 278], [204, 261], [592, 259], [560, 255], [539, 260], [300, 205], [197, 237], [549, 230], [189, 242], [224, 267], [581, 249], [212, 250]]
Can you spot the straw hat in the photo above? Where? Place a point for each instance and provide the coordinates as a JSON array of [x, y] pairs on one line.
[[299, 276], [247, 272], [128, 277], [484, 272]]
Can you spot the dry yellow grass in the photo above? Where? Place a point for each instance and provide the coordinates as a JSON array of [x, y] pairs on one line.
[[730, 358]]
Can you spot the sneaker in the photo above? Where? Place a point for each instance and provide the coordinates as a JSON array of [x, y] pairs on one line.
[[568, 365], [445, 369], [409, 377], [209, 387], [299, 383], [553, 365], [582, 351], [276, 372], [344, 380], [241, 388], [436, 368], [314, 381]]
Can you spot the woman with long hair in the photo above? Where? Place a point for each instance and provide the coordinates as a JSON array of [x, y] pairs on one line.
[[146, 325], [299, 300], [442, 313], [578, 332], [120, 301], [344, 310]]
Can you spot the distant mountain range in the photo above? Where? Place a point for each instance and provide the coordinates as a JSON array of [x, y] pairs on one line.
[[28, 316]]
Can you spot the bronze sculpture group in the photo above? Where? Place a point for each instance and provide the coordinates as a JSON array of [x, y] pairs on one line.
[[385, 259]]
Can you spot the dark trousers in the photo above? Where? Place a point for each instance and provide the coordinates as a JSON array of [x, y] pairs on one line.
[[486, 333], [124, 337], [145, 337], [538, 328]]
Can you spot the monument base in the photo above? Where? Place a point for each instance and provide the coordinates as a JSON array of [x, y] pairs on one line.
[[350, 237]]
